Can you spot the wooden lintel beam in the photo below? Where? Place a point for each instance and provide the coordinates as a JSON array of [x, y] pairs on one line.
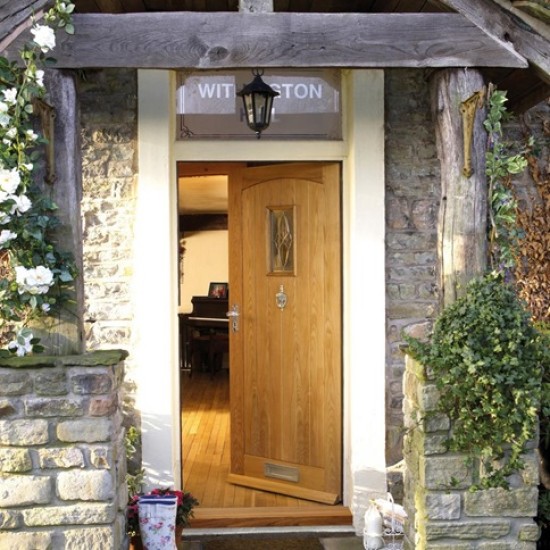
[[508, 27], [240, 40], [15, 15]]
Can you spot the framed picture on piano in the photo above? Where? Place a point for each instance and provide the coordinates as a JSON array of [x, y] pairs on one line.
[[218, 290]]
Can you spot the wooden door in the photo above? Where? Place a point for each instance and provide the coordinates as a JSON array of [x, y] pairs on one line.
[[285, 365]]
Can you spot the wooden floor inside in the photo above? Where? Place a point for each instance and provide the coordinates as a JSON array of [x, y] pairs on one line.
[[206, 461]]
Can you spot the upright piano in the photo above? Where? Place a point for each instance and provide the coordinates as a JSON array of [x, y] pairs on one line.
[[207, 325]]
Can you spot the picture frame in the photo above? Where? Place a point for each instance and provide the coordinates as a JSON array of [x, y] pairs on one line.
[[218, 290]]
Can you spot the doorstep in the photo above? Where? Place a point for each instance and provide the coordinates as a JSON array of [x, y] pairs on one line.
[[332, 543]]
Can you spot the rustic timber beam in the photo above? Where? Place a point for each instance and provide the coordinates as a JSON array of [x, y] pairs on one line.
[[505, 25], [462, 240], [255, 6], [240, 40], [110, 6], [16, 16]]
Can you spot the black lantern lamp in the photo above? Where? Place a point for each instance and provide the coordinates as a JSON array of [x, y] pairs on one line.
[[258, 102]]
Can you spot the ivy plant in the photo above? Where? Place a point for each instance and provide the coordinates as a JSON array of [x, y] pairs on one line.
[[487, 360], [501, 161]]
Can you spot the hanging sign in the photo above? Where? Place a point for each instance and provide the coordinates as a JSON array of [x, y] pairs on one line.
[[308, 107]]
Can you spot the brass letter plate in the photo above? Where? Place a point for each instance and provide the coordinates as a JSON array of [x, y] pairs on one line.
[[286, 473]]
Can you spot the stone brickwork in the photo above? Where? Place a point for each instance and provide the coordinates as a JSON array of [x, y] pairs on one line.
[[443, 513], [412, 204], [108, 114], [62, 456]]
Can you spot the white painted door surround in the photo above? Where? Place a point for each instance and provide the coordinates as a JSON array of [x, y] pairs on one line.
[[155, 278]]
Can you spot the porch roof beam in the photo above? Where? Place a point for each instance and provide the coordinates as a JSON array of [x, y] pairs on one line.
[[15, 17], [240, 40], [507, 25]]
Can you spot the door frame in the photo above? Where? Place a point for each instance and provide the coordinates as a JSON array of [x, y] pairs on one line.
[[361, 153]]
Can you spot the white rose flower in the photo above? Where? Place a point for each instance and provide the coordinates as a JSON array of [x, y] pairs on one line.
[[4, 218], [20, 350], [9, 180], [44, 37], [45, 308], [22, 204], [6, 235], [40, 77], [11, 133], [23, 349], [40, 278], [4, 120], [4, 117], [20, 275], [10, 95], [22, 345], [28, 166], [34, 281], [31, 136]]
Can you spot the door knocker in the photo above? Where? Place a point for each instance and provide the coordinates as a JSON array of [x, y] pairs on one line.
[[281, 298]]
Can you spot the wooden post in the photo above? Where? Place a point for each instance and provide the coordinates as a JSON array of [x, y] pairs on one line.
[[462, 234], [256, 6], [64, 335]]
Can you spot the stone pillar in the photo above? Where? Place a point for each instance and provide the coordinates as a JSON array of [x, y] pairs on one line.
[[443, 513], [62, 457]]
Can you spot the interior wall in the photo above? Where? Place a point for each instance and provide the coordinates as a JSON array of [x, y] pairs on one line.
[[205, 261]]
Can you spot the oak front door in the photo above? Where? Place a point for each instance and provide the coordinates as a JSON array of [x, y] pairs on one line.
[[285, 329]]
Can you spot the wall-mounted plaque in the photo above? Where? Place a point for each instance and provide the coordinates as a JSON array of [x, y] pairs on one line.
[[308, 107]]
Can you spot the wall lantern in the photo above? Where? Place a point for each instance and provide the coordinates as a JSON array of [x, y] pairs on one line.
[[258, 102]]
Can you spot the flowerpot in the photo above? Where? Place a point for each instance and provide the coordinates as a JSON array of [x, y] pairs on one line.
[[136, 543]]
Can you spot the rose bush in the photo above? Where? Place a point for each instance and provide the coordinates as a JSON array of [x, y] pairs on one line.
[[34, 275]]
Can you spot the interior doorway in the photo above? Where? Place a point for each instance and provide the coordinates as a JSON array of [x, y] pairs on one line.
[[205, 387]]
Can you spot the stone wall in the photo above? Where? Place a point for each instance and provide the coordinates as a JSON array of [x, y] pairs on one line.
[[443, 513], [412, 204], [108, 114], [108, 117], [62, 456]]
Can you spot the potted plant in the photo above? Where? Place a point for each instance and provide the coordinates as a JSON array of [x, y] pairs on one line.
[[184, 511]]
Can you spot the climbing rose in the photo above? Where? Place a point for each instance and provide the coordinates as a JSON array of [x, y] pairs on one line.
[[44, 36], [5, 119], [34, 281], [5, 236], [22, 204], [10, 95], [40, 78], [21, 345], [9, 180]]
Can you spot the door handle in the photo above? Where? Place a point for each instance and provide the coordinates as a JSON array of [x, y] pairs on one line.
[[234, 315]]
